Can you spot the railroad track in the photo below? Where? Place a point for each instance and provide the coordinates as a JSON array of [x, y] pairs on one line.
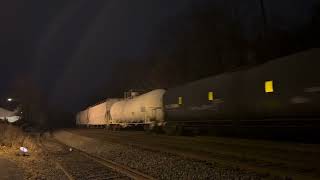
[[77, 164], [292, 159]]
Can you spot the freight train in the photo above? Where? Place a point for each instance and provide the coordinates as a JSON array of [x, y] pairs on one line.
[[281, 92]]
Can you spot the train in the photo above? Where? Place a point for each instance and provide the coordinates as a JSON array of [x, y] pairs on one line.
[[280, 92], [97, 115]]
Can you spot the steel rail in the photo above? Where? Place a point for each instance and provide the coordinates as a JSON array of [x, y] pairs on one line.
[[122, 169]]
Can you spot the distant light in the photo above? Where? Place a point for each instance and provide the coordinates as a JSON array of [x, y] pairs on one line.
[[268, 86], [10, 99]]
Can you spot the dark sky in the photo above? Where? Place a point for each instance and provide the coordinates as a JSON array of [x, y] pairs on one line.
[[69, 48]]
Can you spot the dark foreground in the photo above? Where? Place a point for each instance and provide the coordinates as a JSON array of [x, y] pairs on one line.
[[101, 154], [9, 170], [253, 159]]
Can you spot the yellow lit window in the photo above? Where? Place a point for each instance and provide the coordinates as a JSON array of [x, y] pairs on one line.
[[180, 101], [268, 86], [210, 96]]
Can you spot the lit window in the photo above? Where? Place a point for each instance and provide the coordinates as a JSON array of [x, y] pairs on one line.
[[268, 86], [210, 96], [180, 101]]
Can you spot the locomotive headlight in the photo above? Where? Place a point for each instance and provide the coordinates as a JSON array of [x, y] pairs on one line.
[[268, 86]]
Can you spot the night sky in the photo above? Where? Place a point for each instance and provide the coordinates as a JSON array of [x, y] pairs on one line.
[[69, 49]]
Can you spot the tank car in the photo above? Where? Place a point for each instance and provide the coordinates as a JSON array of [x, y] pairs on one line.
[[146, 109], [82, 118], [282, 91], [97, 115]]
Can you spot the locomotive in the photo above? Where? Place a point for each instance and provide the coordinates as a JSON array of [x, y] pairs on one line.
[[281, 92]]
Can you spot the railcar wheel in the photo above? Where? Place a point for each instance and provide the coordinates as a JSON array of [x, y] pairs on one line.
[[179, 130], [157, 129], [169, 130], [115, 127], [147, 128], [108, 127]]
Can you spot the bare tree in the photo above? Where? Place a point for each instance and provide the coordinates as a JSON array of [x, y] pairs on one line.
[[205, 43], [33, 103]]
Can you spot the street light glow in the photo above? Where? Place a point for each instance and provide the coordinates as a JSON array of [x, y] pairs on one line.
[[10, 99]]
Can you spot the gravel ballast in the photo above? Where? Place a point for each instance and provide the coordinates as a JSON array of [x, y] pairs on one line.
[[160, 165], [168, 166]]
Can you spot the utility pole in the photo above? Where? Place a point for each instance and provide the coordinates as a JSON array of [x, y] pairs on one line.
[[264, 17], [251, 56]]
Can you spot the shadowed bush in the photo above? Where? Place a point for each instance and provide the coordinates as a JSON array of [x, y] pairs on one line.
[[14, 137]]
